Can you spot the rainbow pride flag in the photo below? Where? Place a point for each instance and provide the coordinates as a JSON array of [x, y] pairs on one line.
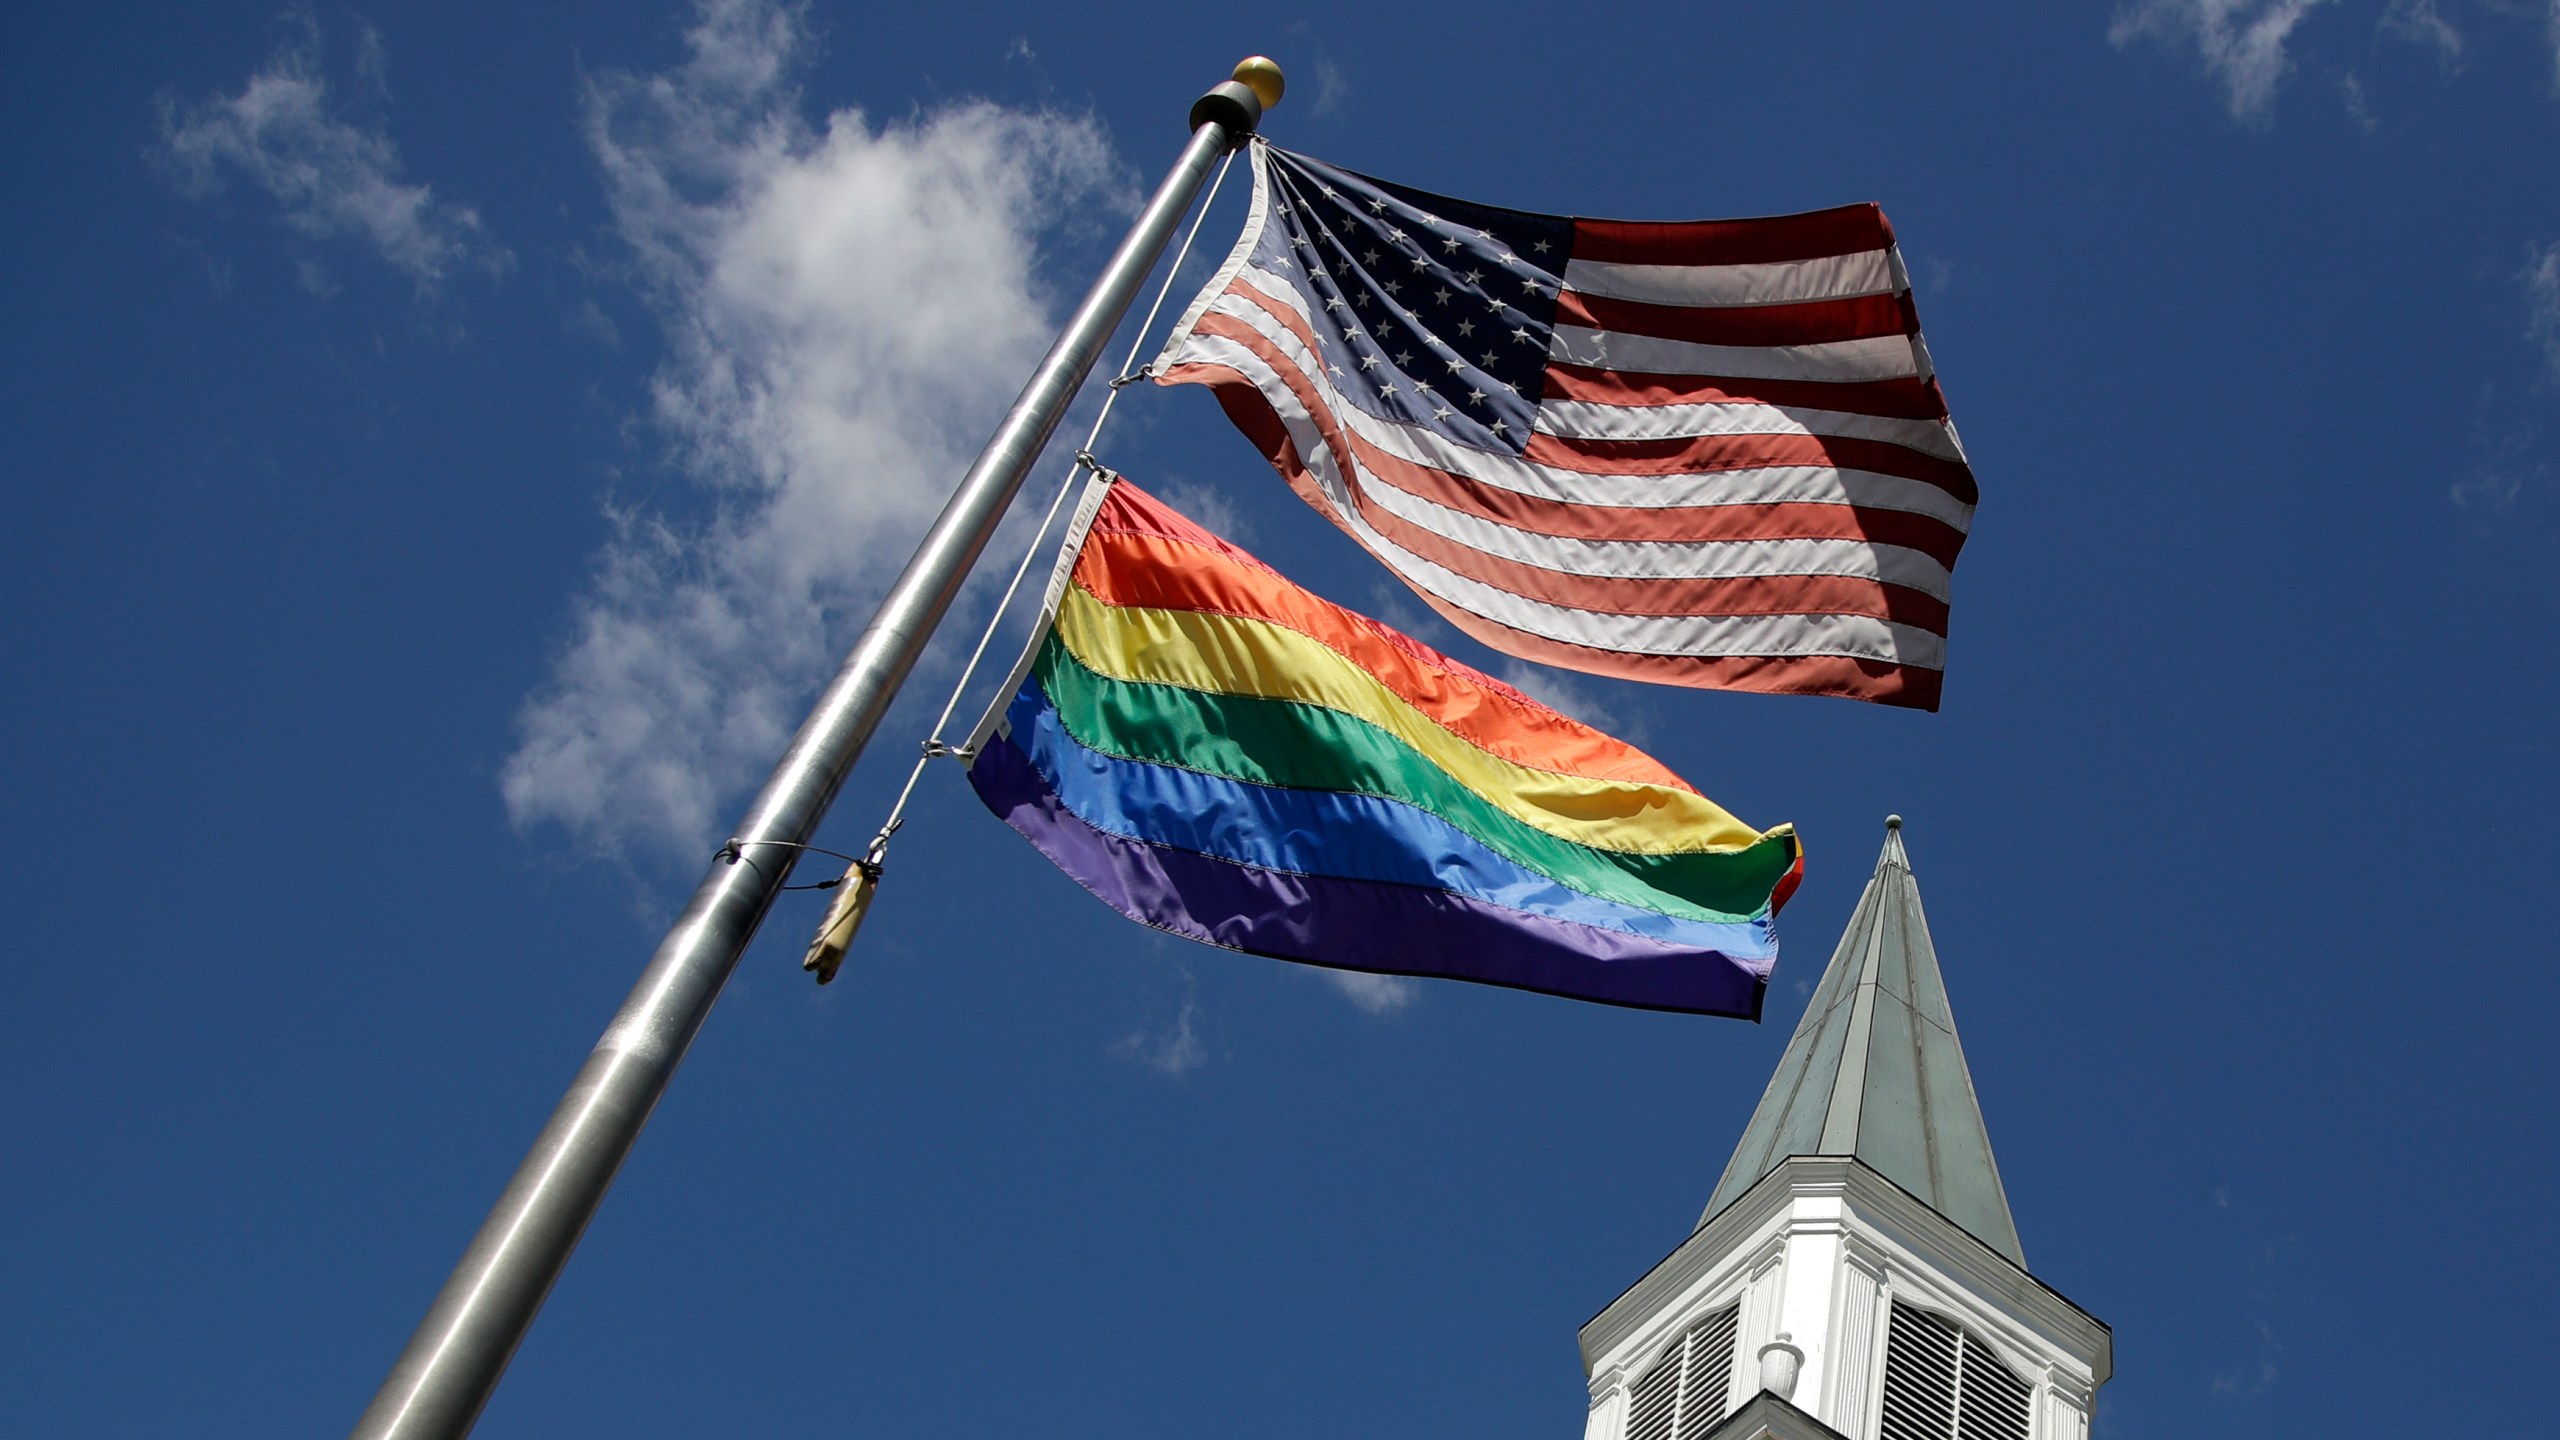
[[1218, 753]]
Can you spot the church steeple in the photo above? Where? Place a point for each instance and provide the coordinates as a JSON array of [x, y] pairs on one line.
[[1875, 1072], [1856, 1275]]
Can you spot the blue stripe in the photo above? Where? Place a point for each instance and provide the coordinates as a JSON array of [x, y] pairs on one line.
[[1360, 924], [1326, 832]]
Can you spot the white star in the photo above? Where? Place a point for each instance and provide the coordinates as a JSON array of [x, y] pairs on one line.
[[1369, 258], [1451, 244], [1507, 258], [1507, 385], [1441, 412], [1487, 234], [1532, 287], [1377, 207], [1420, 264], [1441, 294], [1492, 359], [1333, 302], [1393, 286], [1385, 391], [1474, 276], [1457, 363], [1466, 327], [1521, 334], [1368, 362], [1475, 397], [1395, 236], [1325, 190], [1497, 306], [1499, 427], [1361, 297], [1333, 369], [1543, 247], [1404, 357]]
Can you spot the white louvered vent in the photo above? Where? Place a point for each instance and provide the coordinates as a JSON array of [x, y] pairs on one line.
[[1682, 1396], [1941, 1383]]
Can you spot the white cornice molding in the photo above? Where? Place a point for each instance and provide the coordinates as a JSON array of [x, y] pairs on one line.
[[1607, 1382], [1809, 1195]]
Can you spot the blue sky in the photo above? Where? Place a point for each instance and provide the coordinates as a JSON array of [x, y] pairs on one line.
[[444, 445]]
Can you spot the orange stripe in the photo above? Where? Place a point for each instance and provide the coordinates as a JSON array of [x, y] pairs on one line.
[[1142, 553]]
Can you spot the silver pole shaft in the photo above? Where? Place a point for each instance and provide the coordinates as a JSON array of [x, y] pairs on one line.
[[452, 1364]]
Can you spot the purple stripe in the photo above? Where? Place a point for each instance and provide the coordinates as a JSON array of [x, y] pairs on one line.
[[1360, 924]]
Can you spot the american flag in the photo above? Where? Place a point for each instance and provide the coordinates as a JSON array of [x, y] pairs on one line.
[[1710, 453]]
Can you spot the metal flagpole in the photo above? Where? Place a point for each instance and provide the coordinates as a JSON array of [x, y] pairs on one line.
[[452, 1364]]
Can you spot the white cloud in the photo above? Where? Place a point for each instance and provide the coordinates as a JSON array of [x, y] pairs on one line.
[[1208, 505], [2541, 281], [1376, 994], [331, 176], [2422, 25], [2502, 440], [847, 308], [1177, 1050], [1333, 89], [1572, 694], [2359, 110], [2551, 33], [2240, 41]]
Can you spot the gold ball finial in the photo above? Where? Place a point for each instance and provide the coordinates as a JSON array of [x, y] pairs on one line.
[[1261, 75]]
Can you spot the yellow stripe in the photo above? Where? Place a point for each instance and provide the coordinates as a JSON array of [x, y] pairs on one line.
[[1232, 655]]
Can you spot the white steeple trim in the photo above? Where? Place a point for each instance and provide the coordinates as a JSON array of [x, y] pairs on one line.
[[1820, 1249], [1608, 1404]]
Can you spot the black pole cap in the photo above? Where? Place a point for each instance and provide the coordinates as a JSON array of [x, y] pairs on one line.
[[1232, 105]]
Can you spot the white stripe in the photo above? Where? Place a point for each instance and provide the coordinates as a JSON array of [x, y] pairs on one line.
[[1429, 448], [1593, 420], [1623, 559], [1833, 277], [1859, 637], [1884, 357], [1665, 559], [1257, 214]]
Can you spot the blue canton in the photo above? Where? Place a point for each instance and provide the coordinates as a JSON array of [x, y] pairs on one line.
[[1427, 311]]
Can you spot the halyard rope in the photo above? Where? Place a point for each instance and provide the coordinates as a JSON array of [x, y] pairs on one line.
[[934, 744]]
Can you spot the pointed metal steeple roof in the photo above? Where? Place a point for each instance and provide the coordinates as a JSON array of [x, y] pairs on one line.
[[1875, 1071]]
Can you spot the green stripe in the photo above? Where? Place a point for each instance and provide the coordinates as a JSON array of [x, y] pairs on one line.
[[1311, 747]]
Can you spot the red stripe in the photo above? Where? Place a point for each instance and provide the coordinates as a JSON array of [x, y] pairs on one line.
[[1252, 414], [1233, 329], [1908, 398], [1704, 454], [1810, 322], [1910, 686], [1843, 230], [1700, 598]]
